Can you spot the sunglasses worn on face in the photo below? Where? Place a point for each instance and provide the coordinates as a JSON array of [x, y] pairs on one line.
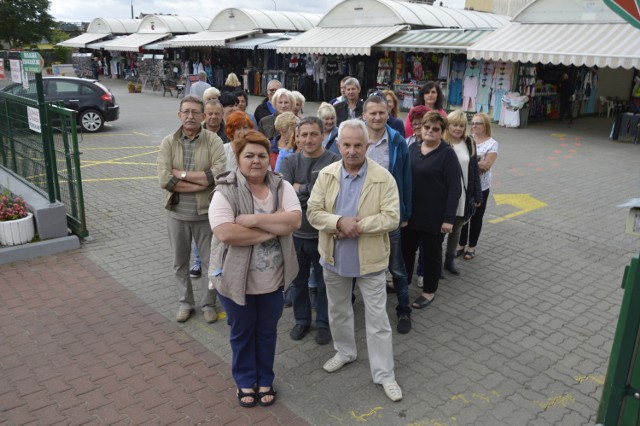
[[473, 123], [434, 128]]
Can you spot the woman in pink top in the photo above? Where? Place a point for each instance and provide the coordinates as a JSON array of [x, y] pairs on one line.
[[430, 96]]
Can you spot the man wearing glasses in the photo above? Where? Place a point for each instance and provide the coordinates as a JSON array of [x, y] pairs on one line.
[[188, 160], [265, 108]]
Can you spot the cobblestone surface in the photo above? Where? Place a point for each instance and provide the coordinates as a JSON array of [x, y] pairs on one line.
[[522, 336]]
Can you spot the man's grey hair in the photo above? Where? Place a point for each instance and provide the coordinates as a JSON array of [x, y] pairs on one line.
[[354, 124], [213, 102], [274, 81], [192, 98], [202, 75], [352, 82]]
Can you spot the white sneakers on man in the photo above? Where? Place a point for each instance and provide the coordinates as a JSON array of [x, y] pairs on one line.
[[334, 364], [393, 391]]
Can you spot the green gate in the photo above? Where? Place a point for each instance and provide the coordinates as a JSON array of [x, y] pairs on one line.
[[620, 403], [48, 161]]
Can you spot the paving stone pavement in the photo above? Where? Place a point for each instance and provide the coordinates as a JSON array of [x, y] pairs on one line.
[[521, 337]]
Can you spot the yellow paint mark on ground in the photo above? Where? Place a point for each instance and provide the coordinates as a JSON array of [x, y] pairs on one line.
[[113, 148], [85, 136], [554, 401], [113, 160], [118, 178], [140, 134], [182, 335], [119, 163], [362, 417], [524, 203], [558, 135], [598, 379], [222, 315]]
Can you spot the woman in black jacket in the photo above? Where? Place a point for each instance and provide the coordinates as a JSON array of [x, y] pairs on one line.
[[436, 187], [465, 149]]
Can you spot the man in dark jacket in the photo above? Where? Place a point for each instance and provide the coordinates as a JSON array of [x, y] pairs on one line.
[[352, 107], [265, 108], [389, 149]]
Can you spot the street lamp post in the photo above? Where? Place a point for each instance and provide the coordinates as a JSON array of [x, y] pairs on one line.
[[275, 6]]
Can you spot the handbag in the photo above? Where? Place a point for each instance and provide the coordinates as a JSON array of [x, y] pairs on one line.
[[470, 203]]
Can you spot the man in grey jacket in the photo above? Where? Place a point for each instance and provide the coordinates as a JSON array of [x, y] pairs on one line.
[[301, 170]]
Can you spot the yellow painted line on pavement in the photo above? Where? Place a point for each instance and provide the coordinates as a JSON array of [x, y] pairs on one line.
[[525, 203], [85, 136], [362, 417], [141, 134], [118, 159], [130, 163], [112, 148], [118, 178]]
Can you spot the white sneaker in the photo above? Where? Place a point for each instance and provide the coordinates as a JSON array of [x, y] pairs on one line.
[[419, 281], [393, 391], [334, 364]]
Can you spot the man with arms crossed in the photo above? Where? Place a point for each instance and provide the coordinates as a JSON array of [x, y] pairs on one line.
[[188, 160], [354, 205]]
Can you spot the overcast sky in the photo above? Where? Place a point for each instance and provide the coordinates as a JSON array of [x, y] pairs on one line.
[[86, 11]]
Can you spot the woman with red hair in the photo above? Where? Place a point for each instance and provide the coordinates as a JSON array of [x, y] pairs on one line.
[[237, 125]]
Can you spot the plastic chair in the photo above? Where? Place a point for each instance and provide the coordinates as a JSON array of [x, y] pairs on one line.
[[606, 104]]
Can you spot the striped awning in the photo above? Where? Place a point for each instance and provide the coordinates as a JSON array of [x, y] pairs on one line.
[[605, 45], [433, 41], [251, 43], [133, 42], [339, 41], [208, 38], [83, 39]]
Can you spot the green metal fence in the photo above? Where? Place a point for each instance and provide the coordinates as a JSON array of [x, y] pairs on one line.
[[49, 161], [620, 403]]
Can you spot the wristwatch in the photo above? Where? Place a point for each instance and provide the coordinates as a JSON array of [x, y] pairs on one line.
[[183, 175]]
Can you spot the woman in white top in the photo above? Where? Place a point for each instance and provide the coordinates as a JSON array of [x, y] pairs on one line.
[[465, 149], [487, 153]]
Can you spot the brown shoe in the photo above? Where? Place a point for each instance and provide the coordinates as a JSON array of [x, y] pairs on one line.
[[183, 314], [210, 316]]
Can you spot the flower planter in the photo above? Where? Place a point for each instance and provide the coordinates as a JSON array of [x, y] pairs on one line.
[[18, 231]]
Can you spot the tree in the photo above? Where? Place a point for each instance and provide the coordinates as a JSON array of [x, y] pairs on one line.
[[25, 22]]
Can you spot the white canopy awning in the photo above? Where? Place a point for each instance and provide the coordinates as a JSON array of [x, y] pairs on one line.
[[208, 38], [251, 43], [83, 39], [133, 42], [339, 41], [603, 44], [434, 41]]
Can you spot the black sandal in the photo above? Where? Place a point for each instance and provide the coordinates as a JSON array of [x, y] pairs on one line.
[[422, 302], [269, 392], [459, 252], [240, 394]]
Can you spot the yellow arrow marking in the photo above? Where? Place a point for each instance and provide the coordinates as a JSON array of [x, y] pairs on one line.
[[525, 203]]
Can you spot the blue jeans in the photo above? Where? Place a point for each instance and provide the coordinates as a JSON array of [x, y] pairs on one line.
[[253, 335], [197, 262], [399, 274], [307, 252]]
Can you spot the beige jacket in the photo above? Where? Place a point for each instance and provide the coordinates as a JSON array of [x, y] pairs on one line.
[[208, 154], [378, 206]]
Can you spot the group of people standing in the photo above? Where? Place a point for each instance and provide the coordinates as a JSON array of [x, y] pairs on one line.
[[336, 200]]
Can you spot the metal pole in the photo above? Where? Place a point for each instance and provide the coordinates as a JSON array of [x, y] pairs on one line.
[[47, 145], [275, 6]]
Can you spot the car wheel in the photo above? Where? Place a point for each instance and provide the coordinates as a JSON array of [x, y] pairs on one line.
[[91, 121]]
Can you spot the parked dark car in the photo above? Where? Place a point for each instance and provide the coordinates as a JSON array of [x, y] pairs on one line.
[[94, 103]]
